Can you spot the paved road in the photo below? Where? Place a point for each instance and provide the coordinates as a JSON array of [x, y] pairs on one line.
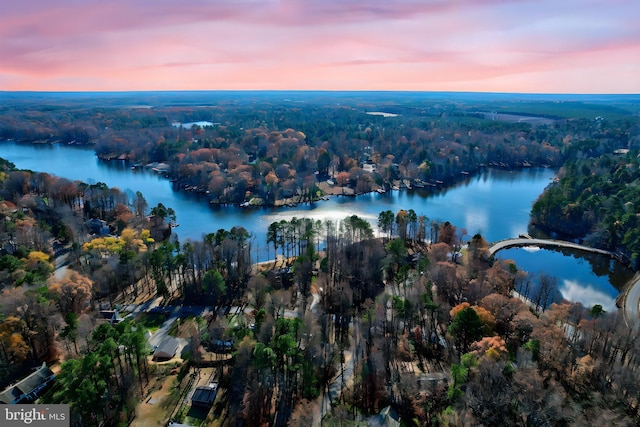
[[61, 261], [148, 305], [630, 300], [335, 388], [174, 312]]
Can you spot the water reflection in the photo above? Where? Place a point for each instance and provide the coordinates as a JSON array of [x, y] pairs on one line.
[[587, 294], [581, 276], [494, 203]]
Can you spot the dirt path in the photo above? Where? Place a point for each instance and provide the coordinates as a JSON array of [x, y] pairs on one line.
[[151, 412]]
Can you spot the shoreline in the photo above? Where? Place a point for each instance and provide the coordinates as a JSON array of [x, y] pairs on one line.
[[431, 185], [329, 190]]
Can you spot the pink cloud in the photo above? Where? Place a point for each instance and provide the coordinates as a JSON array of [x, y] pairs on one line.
[[319, 44]]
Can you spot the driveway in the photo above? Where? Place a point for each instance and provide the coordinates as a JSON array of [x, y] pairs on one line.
[[163, 332]]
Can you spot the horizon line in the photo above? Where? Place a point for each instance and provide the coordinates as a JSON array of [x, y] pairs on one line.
[[315, 91]]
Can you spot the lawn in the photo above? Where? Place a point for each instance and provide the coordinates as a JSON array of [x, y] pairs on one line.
[[152, 321]]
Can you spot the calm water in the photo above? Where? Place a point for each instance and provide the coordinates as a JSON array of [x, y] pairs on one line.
[[494, 203], [581, 277]]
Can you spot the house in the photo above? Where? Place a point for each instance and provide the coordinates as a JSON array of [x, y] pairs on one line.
[[167, 349], [110, 316], [369, 167], [98, 227], [205, 395], [28, 389], [8, 248]]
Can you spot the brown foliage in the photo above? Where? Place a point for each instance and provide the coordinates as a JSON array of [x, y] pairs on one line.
[[555, 353], [73, 293], [504, 310], [14, 346], [439, 252], [342, 178], [491, 347], [485, 316], [448, 233], [499, 279], [123, 213]]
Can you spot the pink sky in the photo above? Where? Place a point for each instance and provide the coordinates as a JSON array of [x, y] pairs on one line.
[[555, 46]]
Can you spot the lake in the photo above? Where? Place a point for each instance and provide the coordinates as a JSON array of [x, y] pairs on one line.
[[494, 203], [581, 277]]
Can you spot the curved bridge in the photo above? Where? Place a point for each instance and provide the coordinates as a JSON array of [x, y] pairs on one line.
[[629, 298], [523, 241]]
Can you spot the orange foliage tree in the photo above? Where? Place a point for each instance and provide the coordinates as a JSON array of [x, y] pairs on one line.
[[492, 347], [487, 319], [73, 293], [14, 348]]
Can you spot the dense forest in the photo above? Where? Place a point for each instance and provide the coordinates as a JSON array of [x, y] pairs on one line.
[[413, 323], [431, 330], [595, 200], [270, 150]]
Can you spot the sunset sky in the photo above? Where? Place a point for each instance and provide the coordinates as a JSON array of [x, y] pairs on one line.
[[542, 46]]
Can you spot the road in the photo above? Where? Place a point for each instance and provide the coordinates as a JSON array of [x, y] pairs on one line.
[[174, 312], [335, 388], [344, 377], [61, 261], [629, 300], [315, 300]]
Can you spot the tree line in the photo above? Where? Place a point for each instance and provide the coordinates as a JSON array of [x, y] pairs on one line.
[[269, 151], [427, 324], [595, 200]]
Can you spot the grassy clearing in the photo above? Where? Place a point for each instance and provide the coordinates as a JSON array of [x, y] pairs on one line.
[[567, 109], [152, 321], [185, 328]]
